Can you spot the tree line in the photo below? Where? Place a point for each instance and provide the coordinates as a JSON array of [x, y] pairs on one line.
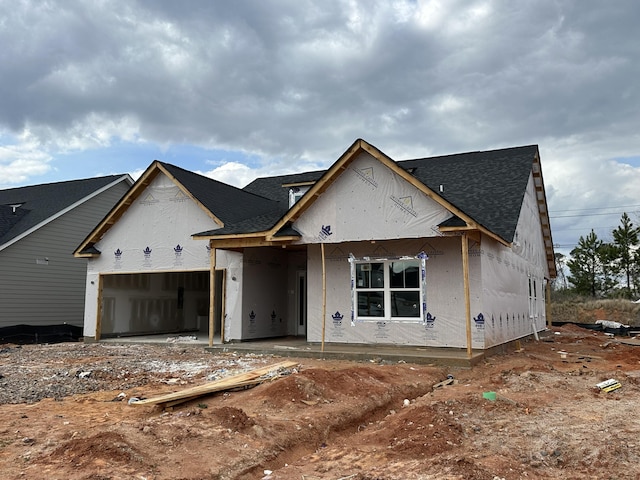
[[603, 269]]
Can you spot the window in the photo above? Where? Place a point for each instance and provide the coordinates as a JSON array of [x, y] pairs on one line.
[[296, 193], [533, 298], [389, 289]]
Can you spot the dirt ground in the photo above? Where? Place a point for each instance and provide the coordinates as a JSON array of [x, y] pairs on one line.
[[65, 414]]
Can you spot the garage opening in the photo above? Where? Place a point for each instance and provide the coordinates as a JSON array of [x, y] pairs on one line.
[[156, 303]]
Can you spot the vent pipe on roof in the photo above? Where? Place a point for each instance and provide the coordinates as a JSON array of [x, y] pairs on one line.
[[15, 207], [441, 188]]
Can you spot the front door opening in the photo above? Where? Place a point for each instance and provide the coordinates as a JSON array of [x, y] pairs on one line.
[[301, 303]]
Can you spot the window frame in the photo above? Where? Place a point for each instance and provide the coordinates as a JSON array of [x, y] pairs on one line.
[[360, 287]]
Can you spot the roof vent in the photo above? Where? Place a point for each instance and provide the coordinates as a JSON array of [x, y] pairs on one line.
[[441, 188], [14, 207]]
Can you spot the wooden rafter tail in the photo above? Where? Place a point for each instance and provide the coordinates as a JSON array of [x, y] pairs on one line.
[[216, 386]]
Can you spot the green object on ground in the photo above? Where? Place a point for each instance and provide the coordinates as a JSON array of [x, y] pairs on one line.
[[489, 396]]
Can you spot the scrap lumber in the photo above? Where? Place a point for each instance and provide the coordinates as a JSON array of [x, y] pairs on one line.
[[252, 377]]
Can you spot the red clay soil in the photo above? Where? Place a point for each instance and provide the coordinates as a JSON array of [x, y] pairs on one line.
[[326, 419]]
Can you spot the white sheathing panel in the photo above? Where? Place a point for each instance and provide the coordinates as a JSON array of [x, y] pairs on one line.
[[153, 235], [508, 308], [264, 294], [233, 294], [445, 294], [369, 201], [91, 305]]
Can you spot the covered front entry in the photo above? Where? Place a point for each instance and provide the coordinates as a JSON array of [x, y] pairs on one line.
[[155, 303], [265, 294]]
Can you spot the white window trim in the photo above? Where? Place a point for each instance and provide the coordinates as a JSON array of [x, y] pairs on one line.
[[387, 289], [296, 193]]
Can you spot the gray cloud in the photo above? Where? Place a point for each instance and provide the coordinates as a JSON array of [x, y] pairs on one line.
[[298, 81]]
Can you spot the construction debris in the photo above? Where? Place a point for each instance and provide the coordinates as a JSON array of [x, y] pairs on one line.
[[449, 381], [609, 385], [251, 378]]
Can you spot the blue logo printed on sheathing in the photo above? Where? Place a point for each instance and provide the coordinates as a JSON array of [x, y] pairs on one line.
[[147, 252], [429, 320], [337, 318], [118, 254], [479, 321], [178, 249], [325, 231], [252, 316]]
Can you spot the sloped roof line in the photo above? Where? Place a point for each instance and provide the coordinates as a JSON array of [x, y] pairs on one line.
[[342, 164], [118, 209], [122, 178], [228, 203], [217, 200]]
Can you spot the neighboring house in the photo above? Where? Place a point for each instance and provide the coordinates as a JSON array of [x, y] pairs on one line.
[[41, 283], [451, 251]]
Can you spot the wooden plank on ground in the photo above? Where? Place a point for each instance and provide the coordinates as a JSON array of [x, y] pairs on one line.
[[248, 383], [227, 383]]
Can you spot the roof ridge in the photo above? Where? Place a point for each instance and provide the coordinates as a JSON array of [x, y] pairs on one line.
[[61, 182]]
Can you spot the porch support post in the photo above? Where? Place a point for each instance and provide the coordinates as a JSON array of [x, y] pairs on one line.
[[212, 293], [324, 295], [467, 295]]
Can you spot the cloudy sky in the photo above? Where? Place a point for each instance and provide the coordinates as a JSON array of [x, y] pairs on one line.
[[242, 89]]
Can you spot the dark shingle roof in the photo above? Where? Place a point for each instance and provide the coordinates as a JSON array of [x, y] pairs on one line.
[[41, 202], [271, 187], [267, 189], [230, 204], [487, 186]]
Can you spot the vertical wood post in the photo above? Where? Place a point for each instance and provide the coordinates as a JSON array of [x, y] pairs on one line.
[[467, 295], [212, 294], [324, 295]]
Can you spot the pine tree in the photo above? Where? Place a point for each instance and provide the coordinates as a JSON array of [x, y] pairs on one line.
[[586, 265], [625, 239]]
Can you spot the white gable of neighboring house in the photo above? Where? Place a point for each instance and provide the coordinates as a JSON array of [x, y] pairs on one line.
[[155, 232], [369, 201]]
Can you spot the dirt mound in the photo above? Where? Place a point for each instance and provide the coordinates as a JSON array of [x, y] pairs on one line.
[[99, 454], [233, 418], [328, 419]]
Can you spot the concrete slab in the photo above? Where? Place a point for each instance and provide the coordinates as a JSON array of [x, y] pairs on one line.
[[298, 347]]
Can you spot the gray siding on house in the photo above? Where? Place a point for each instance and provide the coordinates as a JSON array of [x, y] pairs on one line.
[[41, 282]]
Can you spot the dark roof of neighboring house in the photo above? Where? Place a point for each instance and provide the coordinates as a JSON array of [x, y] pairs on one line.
[[230, 204], [488, 186], [23, 208]]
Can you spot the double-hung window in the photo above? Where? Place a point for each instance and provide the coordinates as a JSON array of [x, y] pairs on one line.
[[388, 290]]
